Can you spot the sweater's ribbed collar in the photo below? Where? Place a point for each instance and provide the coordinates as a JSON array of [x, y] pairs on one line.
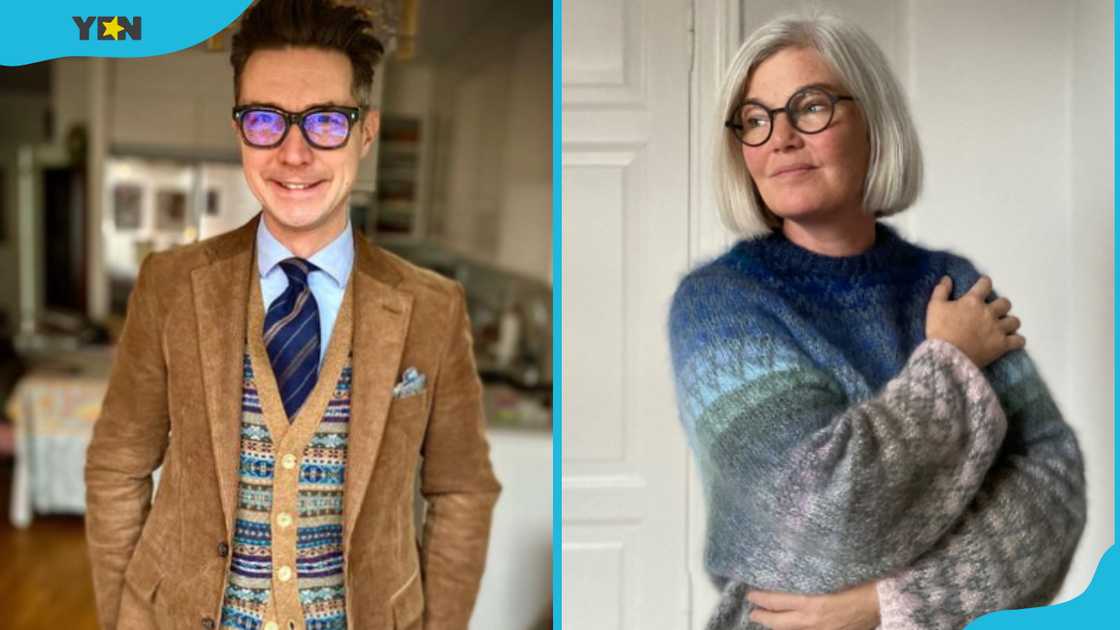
[[778, 251]]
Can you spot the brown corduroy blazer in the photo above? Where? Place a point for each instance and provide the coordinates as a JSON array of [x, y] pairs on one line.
[[174, 398]]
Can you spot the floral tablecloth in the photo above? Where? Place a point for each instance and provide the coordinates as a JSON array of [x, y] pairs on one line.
[[53, 408]]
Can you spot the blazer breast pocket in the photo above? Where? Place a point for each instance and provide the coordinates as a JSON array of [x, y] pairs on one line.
[[408, 419], [410, 405]]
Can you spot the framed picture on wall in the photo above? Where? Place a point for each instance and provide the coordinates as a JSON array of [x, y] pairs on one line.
[[126, 206], [213, 202], [171, 210]]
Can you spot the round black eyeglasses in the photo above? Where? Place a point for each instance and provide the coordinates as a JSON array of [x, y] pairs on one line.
[[322, 127], [810, 110]]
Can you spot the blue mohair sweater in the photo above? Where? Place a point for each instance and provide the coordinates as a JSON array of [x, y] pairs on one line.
[[838, 445]]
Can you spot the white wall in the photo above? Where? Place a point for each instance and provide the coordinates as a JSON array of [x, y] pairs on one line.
[[525, 242], [70, 87], [491, 196], [21, 123], [516, 590], [1091, 390], [472, 116], [408, 88], [179, 101]]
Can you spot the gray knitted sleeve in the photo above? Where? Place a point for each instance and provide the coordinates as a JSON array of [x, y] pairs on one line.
[[1012, 547], [865, 493], [805, 495]]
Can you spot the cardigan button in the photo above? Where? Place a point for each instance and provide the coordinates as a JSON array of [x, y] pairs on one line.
[[223, 549], [207, 623]]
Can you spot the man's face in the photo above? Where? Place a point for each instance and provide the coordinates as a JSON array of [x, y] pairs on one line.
[[302, 188]]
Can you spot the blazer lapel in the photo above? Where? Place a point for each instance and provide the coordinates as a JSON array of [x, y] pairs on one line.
[[221, 294], [381, 318]]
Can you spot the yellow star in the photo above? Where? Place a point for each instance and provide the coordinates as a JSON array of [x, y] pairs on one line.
[[112, 28]]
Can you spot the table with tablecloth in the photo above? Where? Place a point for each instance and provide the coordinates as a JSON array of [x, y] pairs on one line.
[[53, 408]]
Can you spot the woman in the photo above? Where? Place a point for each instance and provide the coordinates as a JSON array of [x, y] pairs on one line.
[[874, 444]]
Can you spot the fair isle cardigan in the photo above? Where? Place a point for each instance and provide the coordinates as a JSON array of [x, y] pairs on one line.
[[838, 445], [287, 563]]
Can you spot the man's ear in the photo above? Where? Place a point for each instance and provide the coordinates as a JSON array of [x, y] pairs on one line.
[[371, 123], [236, 131]]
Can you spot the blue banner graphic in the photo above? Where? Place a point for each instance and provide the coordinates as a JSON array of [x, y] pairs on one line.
[[38, 31]]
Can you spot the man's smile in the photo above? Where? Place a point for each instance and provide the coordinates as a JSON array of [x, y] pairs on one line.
[[296, 187]]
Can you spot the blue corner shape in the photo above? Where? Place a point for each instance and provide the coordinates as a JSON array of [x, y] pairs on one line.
[[1088, 610]]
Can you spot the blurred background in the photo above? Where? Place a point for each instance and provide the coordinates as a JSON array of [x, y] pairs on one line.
[[105, 160]]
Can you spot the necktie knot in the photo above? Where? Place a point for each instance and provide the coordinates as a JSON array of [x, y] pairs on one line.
[[297, 269]]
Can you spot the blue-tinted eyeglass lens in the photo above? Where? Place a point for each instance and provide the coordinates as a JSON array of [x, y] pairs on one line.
[[327, 129], [262, 127]]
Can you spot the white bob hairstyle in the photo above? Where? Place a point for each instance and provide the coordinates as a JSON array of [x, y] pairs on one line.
[[894, 170]]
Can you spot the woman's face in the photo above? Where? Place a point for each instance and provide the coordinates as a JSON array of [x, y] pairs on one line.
[[807, 177]]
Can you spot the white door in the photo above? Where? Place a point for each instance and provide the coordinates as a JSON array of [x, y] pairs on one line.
[[625, 243]]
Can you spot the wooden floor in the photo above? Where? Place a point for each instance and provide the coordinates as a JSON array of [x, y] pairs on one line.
[[44, 572]]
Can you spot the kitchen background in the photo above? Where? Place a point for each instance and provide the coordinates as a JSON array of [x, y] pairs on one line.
[[105, 160]]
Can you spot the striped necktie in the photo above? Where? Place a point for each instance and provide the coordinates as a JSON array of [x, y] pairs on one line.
[[291, 336]]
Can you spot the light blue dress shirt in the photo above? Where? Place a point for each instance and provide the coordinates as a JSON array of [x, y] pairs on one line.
[[327, 284]]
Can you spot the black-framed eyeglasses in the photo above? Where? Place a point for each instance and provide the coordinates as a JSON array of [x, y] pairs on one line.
[[810, 110], [322, 127]]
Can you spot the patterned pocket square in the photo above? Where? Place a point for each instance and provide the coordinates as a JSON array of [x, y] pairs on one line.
[[412, 382]]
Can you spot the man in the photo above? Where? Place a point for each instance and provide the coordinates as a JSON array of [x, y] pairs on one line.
[[290, 378]]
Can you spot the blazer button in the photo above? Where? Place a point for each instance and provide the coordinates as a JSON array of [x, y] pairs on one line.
[[223, 549], [207, 623]]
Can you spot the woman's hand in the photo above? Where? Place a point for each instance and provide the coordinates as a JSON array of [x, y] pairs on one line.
[[984, 332], [856, 608]]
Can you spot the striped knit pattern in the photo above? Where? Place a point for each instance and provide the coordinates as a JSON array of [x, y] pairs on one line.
[[837, 445], [291, 336], [319, 560]]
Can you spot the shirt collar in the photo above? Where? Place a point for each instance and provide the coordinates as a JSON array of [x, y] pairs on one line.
[[336, 259]]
